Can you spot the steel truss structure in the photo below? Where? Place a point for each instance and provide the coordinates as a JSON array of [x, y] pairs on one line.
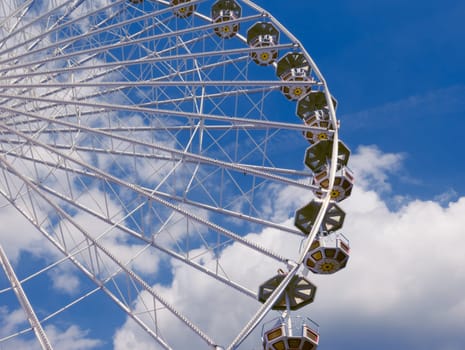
[[140, 136]]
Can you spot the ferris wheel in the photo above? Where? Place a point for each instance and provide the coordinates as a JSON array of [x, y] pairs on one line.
[[178, 170]]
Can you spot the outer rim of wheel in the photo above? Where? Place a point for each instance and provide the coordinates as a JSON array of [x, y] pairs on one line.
[[296, 265]]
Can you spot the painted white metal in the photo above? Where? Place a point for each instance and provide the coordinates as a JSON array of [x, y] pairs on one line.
[[121, 265], [180, 153], [31, 105], [102, 107], [308, 242], [24, 301], [108, 177], [90, 274]]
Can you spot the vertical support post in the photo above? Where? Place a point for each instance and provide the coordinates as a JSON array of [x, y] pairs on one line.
[[26, 305], [288, 315]]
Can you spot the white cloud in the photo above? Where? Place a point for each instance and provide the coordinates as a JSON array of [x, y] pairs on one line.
[[17, 234], [406, 268], [404, 277], [446, 196], [9, 321], [373, 167], [405, 273], [71, 338], [64, 280]]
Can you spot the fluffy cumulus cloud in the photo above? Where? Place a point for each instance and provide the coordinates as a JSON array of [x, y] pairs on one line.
[[402, 287], [374, 167], [70, 338], [16, 233]]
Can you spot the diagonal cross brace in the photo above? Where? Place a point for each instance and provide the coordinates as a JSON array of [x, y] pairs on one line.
[[26, 305]]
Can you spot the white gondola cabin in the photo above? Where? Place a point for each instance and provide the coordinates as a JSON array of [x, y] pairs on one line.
[[343, 184], [291, 334], [185, 11], [306, 216], [318, 155], [223, 12], [263, 35], [294, 67], [327, 257], [298, 293], [314, 112]]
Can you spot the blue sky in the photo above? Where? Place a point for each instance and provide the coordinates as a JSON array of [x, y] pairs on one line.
[[397, 72], [397, 69]]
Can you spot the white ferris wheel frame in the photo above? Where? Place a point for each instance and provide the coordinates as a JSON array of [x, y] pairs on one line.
[[177, 154]]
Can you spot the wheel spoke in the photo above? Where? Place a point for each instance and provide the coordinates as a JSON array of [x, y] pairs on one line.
[[145, 139]]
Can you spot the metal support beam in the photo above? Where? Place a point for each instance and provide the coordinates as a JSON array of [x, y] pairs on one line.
[[26, 305]]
